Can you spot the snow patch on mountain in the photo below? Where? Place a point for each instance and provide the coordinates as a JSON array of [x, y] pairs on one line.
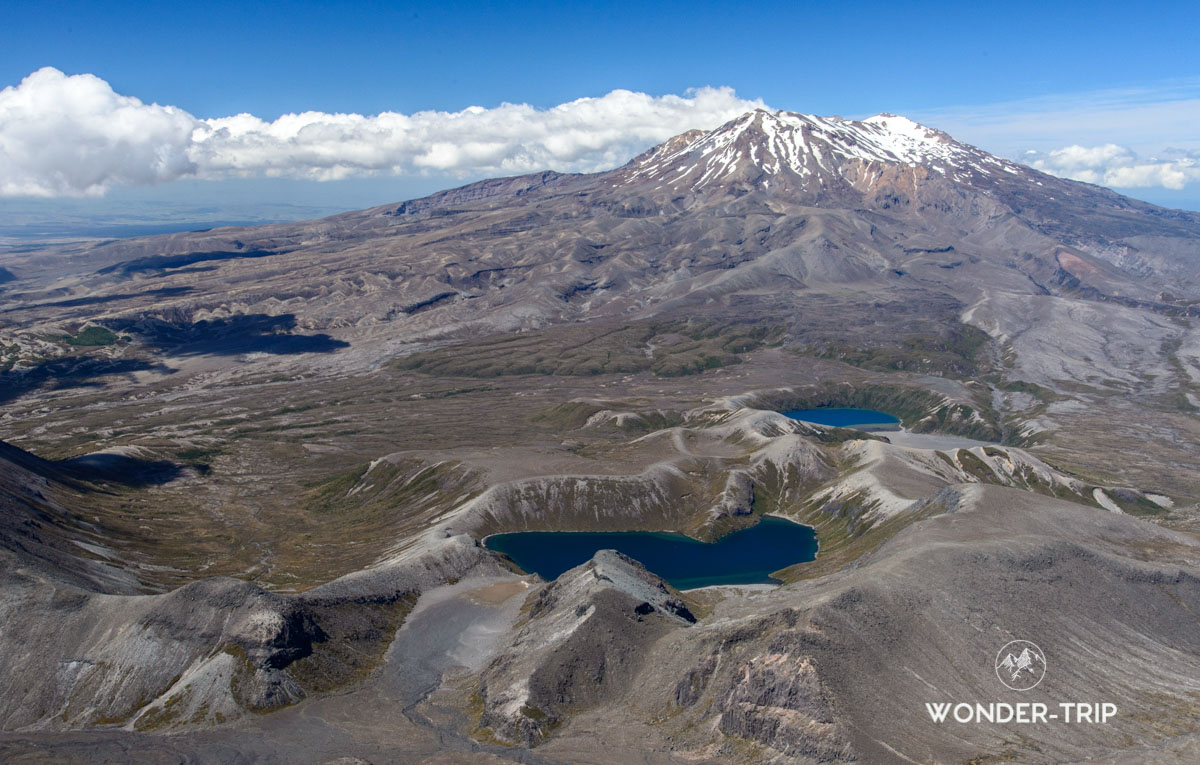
[[811, 147]]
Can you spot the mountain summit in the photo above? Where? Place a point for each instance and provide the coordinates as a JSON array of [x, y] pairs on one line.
[[766, 212], [342, 409], [892, 165], [786, 149]]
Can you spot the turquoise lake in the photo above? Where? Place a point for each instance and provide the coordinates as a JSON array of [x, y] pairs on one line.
[[743, 557], [844, 418]]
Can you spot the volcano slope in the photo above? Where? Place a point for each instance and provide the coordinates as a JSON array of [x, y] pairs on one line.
[[266, 457]]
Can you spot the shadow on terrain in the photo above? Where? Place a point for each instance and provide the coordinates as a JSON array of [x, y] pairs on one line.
[[114, 231], [70, 372], [193, 270], [157, 262], [79, 472], [163, 292], [125, 470], [27, 460], [232, 336]]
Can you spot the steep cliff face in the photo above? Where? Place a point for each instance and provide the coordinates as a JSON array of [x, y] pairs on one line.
[[216, 648], [377, 390], [85, 648], [781, 702], [83, 659], [585, 641], [839, 669], [44, 531]]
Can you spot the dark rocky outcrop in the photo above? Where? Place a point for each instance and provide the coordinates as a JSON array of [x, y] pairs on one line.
[[585, 641]]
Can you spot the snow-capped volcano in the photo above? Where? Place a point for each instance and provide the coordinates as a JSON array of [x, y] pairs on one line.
[[772, 149]]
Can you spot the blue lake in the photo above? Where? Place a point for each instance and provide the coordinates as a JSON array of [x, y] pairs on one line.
[[743, 557], [844, 418]]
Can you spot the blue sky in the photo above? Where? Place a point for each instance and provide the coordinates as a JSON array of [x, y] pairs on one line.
[[220, 58], [1105, 75]]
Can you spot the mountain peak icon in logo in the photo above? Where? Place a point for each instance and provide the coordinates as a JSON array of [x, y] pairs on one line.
[[1020, 665]]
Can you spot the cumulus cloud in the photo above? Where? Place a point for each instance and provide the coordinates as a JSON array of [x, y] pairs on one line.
[[1120, 166], [73, 135]]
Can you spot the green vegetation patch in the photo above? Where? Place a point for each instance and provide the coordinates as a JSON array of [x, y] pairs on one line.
[[844, 538], [93, 335], [956, 350], [1136, 503], [331, 494], [668, 349], [572, 415], [198, 454], [1177, 398], [569, 415], [9, 355], [919, 410]]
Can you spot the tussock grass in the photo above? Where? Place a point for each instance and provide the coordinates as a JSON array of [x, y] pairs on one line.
[[666, 349]]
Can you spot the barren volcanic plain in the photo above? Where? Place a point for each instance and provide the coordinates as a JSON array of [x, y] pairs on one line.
[[246, 472]]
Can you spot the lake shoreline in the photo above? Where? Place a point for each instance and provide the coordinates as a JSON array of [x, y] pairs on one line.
[[747, 556]]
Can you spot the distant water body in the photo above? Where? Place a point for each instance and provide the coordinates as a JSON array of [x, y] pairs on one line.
[[864, 419], [743, 557]]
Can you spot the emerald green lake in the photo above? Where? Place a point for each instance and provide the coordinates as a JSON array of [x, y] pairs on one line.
[[743, 557]]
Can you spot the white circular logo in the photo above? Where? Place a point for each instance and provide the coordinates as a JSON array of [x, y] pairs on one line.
[[1020, 665]]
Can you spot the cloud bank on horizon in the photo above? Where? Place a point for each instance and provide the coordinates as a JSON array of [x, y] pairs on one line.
[[74, 136], [1134, 137], [1120, 166]]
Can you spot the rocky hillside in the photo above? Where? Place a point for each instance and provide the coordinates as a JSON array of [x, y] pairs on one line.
[[266, 458], [774, 202]]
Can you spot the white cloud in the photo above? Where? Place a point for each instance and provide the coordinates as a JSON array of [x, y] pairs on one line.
[[74, 136], [1120, 166]]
